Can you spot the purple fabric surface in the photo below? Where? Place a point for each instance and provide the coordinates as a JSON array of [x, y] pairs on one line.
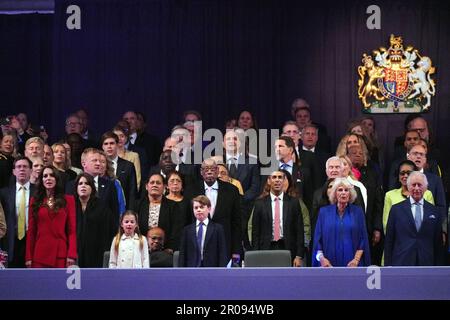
[[227, 284]]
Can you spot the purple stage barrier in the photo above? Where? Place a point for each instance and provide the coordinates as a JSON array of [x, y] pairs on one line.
[[226, 284]]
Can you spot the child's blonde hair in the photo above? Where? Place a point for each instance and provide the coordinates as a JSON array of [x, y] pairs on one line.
[[121, 232]]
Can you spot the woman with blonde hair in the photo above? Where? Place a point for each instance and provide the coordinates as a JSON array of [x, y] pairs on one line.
[[340, 237], [62, 162]]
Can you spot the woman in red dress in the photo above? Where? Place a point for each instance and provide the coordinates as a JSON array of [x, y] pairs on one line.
[[51, 235]]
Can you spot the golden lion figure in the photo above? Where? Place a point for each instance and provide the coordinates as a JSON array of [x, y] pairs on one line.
[[370, 88]]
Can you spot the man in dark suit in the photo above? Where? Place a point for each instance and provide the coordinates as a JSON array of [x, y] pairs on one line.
[[15, 199], [166, 165], [307, 157], [277, 221], [225, 205], [301, 113], [203, 242], [149, 142], [106, 190], [243, 168], [85, 132], [309, 144], [413, 232], [302, 176], [412, 138], [123, 169], [418, 155]]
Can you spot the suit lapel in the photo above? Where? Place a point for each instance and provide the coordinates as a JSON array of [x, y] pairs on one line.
[[12, 205], [268, 210], [209, 232], [410, 214], [285, 212], [194, 233]]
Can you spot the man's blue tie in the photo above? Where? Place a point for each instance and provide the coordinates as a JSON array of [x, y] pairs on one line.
[[283, 166], [199, 244], [418, 216]]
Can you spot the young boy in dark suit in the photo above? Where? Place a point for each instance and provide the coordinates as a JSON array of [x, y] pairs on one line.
[[203, 242]]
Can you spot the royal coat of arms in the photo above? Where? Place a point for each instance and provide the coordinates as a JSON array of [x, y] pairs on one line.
[[396, 80]]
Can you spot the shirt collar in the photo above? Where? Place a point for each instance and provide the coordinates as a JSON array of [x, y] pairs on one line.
[[205, 222], [26, 185], [412, 201], [306, 149], [272, 196], [133, 136], [290, 163], [215, 185], [135, 237], [235, 157]]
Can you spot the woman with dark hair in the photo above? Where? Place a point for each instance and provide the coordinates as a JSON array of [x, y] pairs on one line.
[[175, 188], [155, 210], [92, 216], [51, 237]]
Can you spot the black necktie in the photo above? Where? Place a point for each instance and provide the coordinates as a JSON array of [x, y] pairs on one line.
[[232, 169]]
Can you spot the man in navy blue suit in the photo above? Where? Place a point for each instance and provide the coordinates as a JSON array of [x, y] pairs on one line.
[[413, 232], [203, 242]]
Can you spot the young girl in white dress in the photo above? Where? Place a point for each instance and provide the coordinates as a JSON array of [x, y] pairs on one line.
[[129, 248]]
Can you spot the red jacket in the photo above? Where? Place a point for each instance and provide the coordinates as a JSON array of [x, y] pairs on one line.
[[53, 235]]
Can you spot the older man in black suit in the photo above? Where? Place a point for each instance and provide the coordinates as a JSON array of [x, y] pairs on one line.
[[226, 206]]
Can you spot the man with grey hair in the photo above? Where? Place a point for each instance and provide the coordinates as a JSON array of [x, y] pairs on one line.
[[413, 232], [334, 169], [34, 147], [225, 204]]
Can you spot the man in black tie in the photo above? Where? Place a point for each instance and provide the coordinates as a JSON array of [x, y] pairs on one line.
[[240, 167], [413, 231]]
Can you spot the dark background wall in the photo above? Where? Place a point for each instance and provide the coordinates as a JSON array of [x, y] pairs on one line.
[[217, 56]]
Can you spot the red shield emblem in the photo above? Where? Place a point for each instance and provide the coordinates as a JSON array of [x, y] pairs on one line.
[[395, 85]]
